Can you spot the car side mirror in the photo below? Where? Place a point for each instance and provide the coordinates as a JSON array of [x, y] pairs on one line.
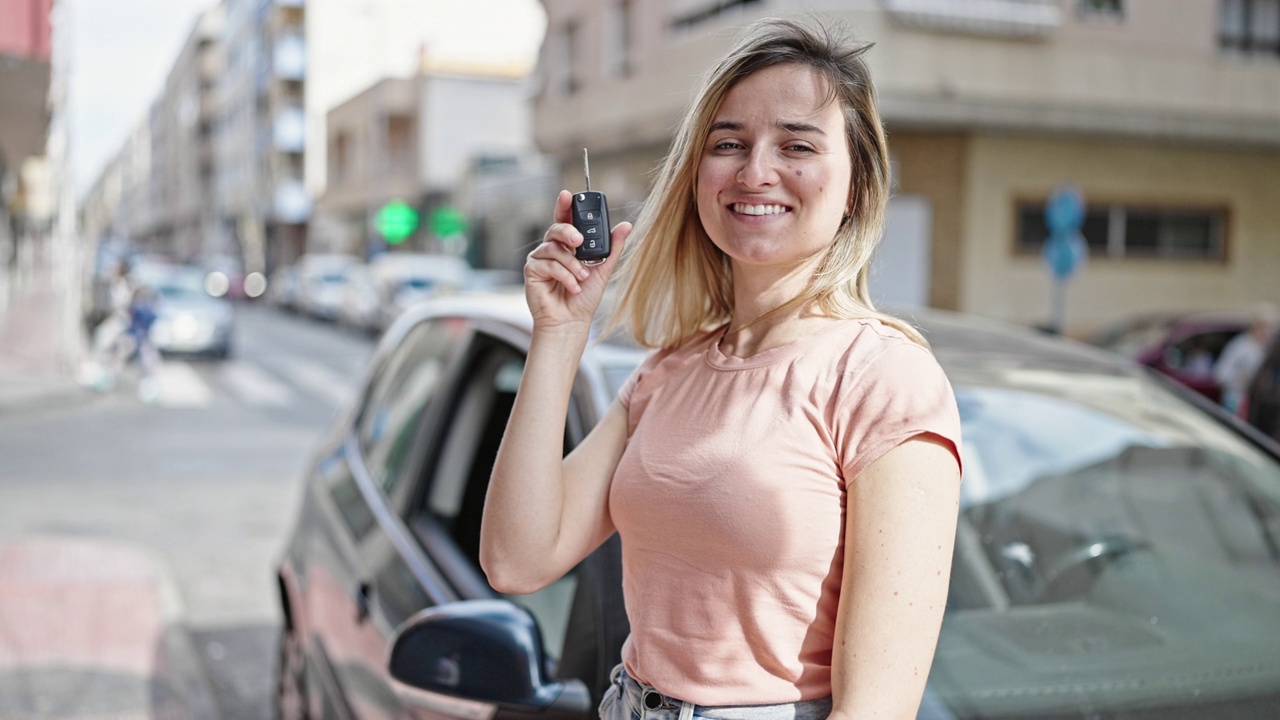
[[484, 650]]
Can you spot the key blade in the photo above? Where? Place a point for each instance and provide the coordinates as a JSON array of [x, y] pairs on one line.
[[586, 168]]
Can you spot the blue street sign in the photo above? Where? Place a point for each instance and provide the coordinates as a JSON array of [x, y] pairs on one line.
[[1064, 213], [1064, 253], [1065, 249]]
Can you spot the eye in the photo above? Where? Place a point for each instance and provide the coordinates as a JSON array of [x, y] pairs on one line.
[[726, 145], [799, 148]]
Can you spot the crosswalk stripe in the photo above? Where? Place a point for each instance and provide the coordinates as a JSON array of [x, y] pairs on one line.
[[331, 387], [178, 385], [254, 386]]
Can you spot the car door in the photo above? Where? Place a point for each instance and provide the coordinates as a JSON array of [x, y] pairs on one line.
[[580, 617], [366, 573]]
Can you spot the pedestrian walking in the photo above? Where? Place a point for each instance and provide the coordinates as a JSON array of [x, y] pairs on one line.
[[1242, 357], [111, 344], [142, 316], [784, 469]]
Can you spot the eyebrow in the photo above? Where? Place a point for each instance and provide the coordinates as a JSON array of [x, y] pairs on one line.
[[791, 126]]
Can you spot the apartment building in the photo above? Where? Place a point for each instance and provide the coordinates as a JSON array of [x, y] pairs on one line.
[[181, 179], [25, 73], [1164, 114], [414, 140]]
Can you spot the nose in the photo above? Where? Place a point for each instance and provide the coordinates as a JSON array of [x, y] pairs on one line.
[[758, 169]]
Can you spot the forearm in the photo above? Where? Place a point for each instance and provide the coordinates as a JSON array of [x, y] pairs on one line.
[[525, 504]]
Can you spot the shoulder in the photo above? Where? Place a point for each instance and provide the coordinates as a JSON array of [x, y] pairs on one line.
[[866, 348], [662, 363]]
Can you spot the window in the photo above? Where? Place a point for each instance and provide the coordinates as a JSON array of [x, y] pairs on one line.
[[691, 14], [1101, 9], [620, 18], [1250, 27], [1122, 231], [402, 389], [454, 499], [569, 58]]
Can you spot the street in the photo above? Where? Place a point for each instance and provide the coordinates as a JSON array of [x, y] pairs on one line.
[[206, 478]]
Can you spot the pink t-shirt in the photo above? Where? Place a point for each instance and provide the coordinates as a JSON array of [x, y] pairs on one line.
[[730, 498]]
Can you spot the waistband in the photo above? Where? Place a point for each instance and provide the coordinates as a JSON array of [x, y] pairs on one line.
[[647, 703]]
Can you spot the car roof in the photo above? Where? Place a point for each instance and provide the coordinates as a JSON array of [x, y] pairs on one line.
[[967, 346]]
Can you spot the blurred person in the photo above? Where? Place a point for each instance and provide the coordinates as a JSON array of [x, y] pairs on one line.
[[1242, 357], [1263, 411], [112, 344], [784, 470], [142, 316]]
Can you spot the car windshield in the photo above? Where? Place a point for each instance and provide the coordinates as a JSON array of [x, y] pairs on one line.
[[417, 283], [180, 287], [1118, 549]]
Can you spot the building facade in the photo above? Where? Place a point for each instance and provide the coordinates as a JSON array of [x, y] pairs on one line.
[[25, 75], [1164, 114], [414, 140]]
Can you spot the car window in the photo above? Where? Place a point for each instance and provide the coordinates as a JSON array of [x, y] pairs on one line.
[[398, 395], [1118, 549], [454, 498]]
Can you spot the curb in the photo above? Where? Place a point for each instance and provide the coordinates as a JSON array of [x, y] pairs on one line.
[[94, 628], [19, 396]]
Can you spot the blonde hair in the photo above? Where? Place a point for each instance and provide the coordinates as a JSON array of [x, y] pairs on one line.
[[675, 282]]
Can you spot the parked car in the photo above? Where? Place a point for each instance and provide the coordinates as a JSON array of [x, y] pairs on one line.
[[1117, 556], [359, 309], [322, 279], [404, 279], [282, 287], [1183, 346], [189, 321]]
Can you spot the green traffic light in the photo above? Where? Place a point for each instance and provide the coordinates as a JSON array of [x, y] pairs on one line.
[[396, 221]]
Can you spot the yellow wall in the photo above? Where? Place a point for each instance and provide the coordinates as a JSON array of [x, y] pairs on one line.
[[998, 282], [933, 165]]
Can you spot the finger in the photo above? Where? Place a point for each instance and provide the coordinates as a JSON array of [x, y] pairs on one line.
[[617, 240], [539, 269], [564, 255], [563, 233], [564, 203]]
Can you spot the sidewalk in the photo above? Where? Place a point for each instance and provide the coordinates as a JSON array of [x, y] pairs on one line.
[[90, 629], [36, 370]]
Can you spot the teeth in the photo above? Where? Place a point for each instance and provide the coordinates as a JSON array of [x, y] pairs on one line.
[[746, 209]]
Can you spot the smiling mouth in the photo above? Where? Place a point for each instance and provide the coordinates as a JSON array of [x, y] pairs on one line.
[[749, 209]]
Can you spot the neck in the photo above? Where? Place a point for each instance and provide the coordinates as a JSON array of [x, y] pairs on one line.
[[759, 291]]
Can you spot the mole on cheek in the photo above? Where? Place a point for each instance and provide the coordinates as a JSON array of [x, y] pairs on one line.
[[799, 173]]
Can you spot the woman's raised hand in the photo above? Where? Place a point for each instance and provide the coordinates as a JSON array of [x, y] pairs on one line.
[[562, 292]]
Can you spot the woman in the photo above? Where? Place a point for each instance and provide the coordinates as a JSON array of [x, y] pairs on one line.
[[784, 471]]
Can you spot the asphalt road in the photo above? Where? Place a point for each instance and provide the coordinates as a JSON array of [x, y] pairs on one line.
[[207, 477]]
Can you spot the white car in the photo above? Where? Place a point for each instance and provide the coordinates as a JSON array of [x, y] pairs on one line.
[[405, 279], [321, 283]]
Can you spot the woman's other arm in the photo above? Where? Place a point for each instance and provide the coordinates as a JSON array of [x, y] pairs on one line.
[[899, 533]]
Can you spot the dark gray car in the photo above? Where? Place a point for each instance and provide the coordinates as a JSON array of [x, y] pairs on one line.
[[1118, 552]]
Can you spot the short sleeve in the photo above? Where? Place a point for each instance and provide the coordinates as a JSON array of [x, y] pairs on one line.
[[627, 392], [900, 393]]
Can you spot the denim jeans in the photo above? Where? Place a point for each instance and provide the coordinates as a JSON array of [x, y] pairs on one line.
[[627, 699]]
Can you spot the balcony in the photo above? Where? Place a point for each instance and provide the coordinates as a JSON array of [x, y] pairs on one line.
[[990, 18]]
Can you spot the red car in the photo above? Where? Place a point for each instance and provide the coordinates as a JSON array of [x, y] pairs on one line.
[[1182, 346]]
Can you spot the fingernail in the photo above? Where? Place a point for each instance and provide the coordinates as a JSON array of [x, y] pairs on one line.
[[584, 273]]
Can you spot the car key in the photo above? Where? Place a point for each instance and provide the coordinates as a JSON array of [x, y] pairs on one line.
[[591, 218]]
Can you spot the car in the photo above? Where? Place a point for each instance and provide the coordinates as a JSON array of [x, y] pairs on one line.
[[322, 281], [1117, 552], [360, 302], [1183, 346], [189, 321], [403, 279]]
